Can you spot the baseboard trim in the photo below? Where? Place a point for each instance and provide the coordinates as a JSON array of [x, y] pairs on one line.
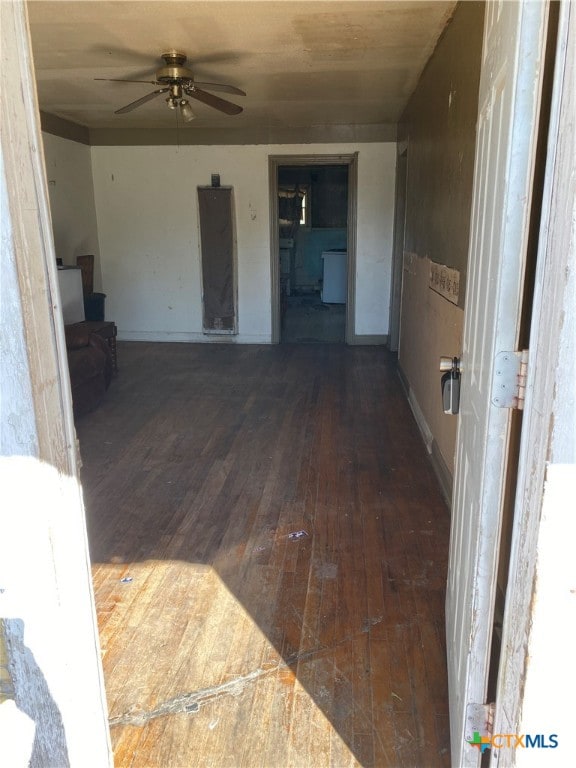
[[425, 430], [191, 337], [403, 379], [443, 474], [368, 340]]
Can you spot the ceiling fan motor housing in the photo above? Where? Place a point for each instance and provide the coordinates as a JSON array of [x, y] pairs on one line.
[[174, 71]]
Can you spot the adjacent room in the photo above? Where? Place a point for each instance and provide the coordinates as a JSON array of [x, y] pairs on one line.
[[313, 239]]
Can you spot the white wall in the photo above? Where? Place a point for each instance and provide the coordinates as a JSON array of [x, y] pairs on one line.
[[71, 190], [376, 188], [146, 203]]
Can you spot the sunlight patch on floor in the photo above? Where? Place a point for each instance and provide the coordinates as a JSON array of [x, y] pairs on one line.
[[184, 659]]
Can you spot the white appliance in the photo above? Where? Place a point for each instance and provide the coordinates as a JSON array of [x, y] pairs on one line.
[[334, 277], [71, 295]]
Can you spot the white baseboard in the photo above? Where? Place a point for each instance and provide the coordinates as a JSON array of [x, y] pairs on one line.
[[425, 430], [192, 337], [443, 474]]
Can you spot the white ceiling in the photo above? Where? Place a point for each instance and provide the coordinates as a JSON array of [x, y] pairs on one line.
[[302, 64]]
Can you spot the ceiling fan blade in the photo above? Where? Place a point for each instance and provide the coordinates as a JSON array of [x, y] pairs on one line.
[[138, 102], [220, 87], [121, 80], [216, 57], [214, 101]]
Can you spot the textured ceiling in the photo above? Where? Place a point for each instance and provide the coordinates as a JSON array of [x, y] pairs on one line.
[[301, 64]]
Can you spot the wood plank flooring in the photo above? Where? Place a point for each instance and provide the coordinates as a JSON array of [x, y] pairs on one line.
[[307, 320], [226, 642]]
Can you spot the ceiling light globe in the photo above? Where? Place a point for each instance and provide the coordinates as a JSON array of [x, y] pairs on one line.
[[186, 111]]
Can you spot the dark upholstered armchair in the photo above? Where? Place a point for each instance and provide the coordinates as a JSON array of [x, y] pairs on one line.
[[90, 366]]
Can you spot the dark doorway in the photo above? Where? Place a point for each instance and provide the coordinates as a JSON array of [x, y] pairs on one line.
[[312, 252]]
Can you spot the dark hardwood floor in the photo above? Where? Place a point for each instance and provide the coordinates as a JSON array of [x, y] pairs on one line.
[[225, 641]]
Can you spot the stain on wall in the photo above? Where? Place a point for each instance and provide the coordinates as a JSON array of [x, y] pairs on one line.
[[439, 125]]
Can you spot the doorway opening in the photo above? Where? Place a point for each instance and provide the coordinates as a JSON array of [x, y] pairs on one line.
[[313, 212], [312, 239]]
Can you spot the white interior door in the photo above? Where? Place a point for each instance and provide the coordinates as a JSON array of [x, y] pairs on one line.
[[509, 98]]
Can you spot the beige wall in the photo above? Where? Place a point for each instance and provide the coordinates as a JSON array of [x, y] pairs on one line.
[[438, 128], [435, 327]]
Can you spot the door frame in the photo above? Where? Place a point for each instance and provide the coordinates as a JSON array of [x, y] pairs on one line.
[[539, 574], [398, 246], [274, 163], [48, 629], [505, 152]]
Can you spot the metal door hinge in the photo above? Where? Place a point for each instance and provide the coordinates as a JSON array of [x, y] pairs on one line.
[[509, 384], [479, 720]]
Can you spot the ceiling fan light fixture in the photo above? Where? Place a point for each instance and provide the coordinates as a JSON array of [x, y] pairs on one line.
[[186, 111], [176, 80]]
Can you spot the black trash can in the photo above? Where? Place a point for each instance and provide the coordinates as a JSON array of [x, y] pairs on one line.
[[94, 307]]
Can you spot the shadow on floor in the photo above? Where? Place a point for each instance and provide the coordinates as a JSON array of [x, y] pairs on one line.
[[308, 321], [230, 635]]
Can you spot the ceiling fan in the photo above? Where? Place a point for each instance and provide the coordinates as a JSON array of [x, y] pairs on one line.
[[178, 82]]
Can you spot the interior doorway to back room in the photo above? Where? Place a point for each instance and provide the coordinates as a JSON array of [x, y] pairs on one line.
[[312, 253]]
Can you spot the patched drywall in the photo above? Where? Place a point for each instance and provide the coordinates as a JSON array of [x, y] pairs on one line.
[[439, 130], [71, 190], [146, 201]]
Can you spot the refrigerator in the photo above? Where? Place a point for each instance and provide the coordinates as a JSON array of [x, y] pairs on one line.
[[334, 277]]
